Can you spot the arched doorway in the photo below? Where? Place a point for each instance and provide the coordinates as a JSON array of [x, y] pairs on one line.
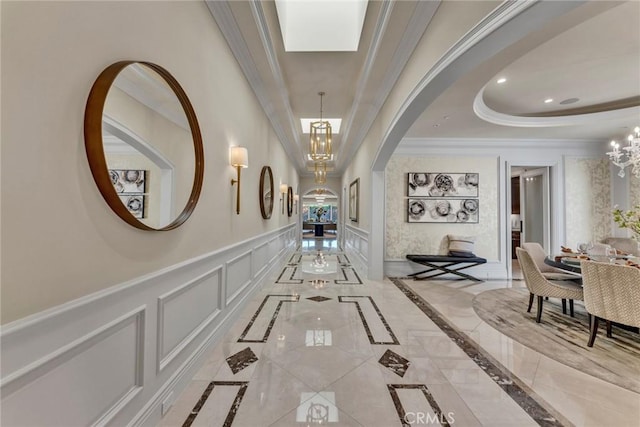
[[320, 217]]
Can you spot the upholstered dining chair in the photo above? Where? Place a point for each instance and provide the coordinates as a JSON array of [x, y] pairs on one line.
[[541, 287], [538, 255], [611, 293]]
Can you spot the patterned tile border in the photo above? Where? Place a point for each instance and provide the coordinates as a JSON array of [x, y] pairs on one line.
[[294, 298], [346, 280], [442, 419], [509, 383], [346, 262], [293, 261], [234, 407], [290, 280], [364, 321]]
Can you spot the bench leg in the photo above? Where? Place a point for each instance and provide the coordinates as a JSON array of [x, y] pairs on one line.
[[445, 270]]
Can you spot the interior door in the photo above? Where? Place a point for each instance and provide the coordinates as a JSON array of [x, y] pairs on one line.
[[535, 206]]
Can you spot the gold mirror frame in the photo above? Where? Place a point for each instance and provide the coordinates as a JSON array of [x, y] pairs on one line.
[[289, 201], [95, 148], [266, 170]]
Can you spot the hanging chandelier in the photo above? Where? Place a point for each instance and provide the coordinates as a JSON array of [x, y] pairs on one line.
[[321, 172], [320, 138], [628, 156]]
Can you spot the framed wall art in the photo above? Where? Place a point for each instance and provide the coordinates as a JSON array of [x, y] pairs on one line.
[[130, 184], [442, 184], [354, 200], [443, 210]]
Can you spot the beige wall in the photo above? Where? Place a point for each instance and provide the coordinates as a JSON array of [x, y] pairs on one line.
[[437, 39], [403, 238], [588, 200], [60, 241]]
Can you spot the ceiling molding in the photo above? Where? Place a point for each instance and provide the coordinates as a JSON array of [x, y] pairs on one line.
[[483, 111], [416, 27], [492, 34], [222, 14], [489, 146], [257, 9]]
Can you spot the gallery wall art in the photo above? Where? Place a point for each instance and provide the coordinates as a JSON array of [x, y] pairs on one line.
[[441, 184], [443, 210], [130, 184]]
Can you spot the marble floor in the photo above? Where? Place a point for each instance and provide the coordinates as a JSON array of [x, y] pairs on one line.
[[320, 344]]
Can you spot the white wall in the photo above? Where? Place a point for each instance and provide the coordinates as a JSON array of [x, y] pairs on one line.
[[65, 242], [94, 310]]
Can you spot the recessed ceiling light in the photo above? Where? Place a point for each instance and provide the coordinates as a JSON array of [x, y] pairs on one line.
[[548, 100], [501, 80], [569, 101]]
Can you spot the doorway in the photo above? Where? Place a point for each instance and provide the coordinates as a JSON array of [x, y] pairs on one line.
[[530, 210]]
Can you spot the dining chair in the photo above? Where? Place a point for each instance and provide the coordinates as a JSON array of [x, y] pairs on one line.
[[611, 293], [541, 287], [538, 255]]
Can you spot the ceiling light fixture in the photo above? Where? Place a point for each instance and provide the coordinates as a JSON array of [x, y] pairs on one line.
[[321, 172], [631, 152], [320, 138], [501, 80], [548, 100]]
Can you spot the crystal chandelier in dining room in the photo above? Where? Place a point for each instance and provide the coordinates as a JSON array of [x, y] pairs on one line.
[[627, 156], [320, 138]]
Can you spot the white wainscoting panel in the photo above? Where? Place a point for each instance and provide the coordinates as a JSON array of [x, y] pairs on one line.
[[101, 372], [238, 276], [185, 311], [356, 246], [115, 356]]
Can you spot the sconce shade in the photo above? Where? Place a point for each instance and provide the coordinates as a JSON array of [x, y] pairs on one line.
[[283, 188], [239, 157]]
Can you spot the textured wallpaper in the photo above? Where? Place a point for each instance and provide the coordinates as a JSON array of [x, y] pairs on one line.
[[588, 200], [419, 238], [634, 190]]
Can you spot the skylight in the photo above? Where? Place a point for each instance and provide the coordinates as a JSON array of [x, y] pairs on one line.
[[335, 124], [321, 26]]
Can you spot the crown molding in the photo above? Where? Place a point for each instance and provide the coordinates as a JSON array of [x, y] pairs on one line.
[[416, 27], [222, 14]]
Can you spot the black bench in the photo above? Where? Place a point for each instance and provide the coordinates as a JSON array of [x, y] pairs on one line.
[[442, 263]]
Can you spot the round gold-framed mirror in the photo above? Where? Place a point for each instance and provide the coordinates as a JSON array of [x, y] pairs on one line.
[[266, 192], [289, 201], [144, 146]]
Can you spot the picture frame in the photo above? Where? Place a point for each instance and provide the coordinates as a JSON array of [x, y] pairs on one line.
[[354, 200], [443, 184], [443, 210]]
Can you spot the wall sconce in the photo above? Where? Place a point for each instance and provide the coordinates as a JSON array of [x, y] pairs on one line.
[[239, 159], [284, 188], [296, 198]]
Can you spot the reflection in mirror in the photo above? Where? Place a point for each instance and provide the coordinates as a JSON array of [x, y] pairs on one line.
[[148, 144], [289, 201], [266, 192]]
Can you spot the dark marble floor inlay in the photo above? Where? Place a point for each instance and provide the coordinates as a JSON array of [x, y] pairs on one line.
[[234, 406], [404, 420], [241, 360], [349, 277], [394, 362], [295, 259], [510, 384], [291, 298], [287, 276], [372, 340], [343, 260], [319, 298]]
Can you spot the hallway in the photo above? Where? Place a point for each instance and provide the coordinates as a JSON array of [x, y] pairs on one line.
[[322, 345]]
